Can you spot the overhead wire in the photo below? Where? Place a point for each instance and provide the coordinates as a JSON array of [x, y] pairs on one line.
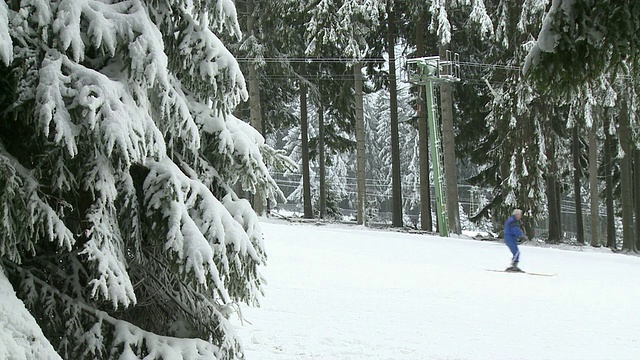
[[351, 77], [370, 60], [363, 60]]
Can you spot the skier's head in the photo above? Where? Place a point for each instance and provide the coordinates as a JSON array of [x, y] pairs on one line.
[[517, 213]]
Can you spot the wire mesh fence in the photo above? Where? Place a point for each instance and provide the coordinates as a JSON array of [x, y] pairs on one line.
[[471, 199]]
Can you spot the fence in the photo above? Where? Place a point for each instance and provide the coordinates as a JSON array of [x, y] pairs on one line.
[[470, 198]]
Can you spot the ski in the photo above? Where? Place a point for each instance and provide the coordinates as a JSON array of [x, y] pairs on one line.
[[521, 272]]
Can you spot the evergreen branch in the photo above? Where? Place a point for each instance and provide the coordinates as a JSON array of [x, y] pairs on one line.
[[484, 212], [127, 334]]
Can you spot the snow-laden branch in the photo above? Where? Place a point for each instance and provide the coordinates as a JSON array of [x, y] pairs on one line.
[[6, 44], [109, 112], [239, 146], [128, 339], [20, 335], [479, 16], [204, 64], [343, 24], [24, 215], [108, 25], [548, 38], [225, 17], [440, 21], [104, 246], [120, 100], [441, 26], [199, 229]]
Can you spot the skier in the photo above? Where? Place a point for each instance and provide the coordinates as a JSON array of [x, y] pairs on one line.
[[512, 233]]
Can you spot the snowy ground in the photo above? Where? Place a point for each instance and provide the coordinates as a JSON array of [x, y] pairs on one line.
[[338, 292]]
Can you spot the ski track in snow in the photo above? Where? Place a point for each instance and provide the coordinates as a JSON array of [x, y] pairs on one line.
[[350, 293]]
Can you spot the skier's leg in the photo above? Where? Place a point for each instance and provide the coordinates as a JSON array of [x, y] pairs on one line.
[[516, 256], [513, 246]]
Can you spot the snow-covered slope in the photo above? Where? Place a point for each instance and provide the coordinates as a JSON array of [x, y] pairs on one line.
[[20, 335], [350, 293]]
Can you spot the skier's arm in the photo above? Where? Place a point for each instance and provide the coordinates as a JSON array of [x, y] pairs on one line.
[[515, 228]]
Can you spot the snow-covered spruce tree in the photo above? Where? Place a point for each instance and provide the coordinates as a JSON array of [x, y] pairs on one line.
[[409, 154], [378, 141], [347, 23], [594, 39], [586, 108], [337, 170], [581, 40], [293, 147], [119, 227], [512, 155], [337, 182], [626, 128], [441, 25]]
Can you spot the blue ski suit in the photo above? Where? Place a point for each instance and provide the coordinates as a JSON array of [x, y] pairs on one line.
[[512, 232]]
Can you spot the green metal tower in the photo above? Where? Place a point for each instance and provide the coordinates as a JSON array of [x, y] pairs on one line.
[[429, 71]]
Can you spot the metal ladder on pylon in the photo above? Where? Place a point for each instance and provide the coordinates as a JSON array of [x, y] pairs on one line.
[[436, 162], [428, 71]]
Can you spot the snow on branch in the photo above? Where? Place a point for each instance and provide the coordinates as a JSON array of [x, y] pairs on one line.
[[440, 21], [25, 217], [6, 45], [241, 147], [120, 95], [176, 122], [479, 15], [199, 229], [343, 24], [208, 68], [109, 24], [107, 109], [225, 16], [243, 264], [20, 335], [106, 246], [128, 340], [548, 38]]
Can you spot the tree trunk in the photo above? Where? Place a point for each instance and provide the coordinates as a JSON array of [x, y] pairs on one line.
[[593, 186], [505, 170], [304, 134], [626, 188], [254, 104], [426, 222], [396, 184], [559, 207], [322, 196], [449, 147], [238, 113], [608, 176], [576, 184], [360, 145], [636, 193], [552, 195]]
